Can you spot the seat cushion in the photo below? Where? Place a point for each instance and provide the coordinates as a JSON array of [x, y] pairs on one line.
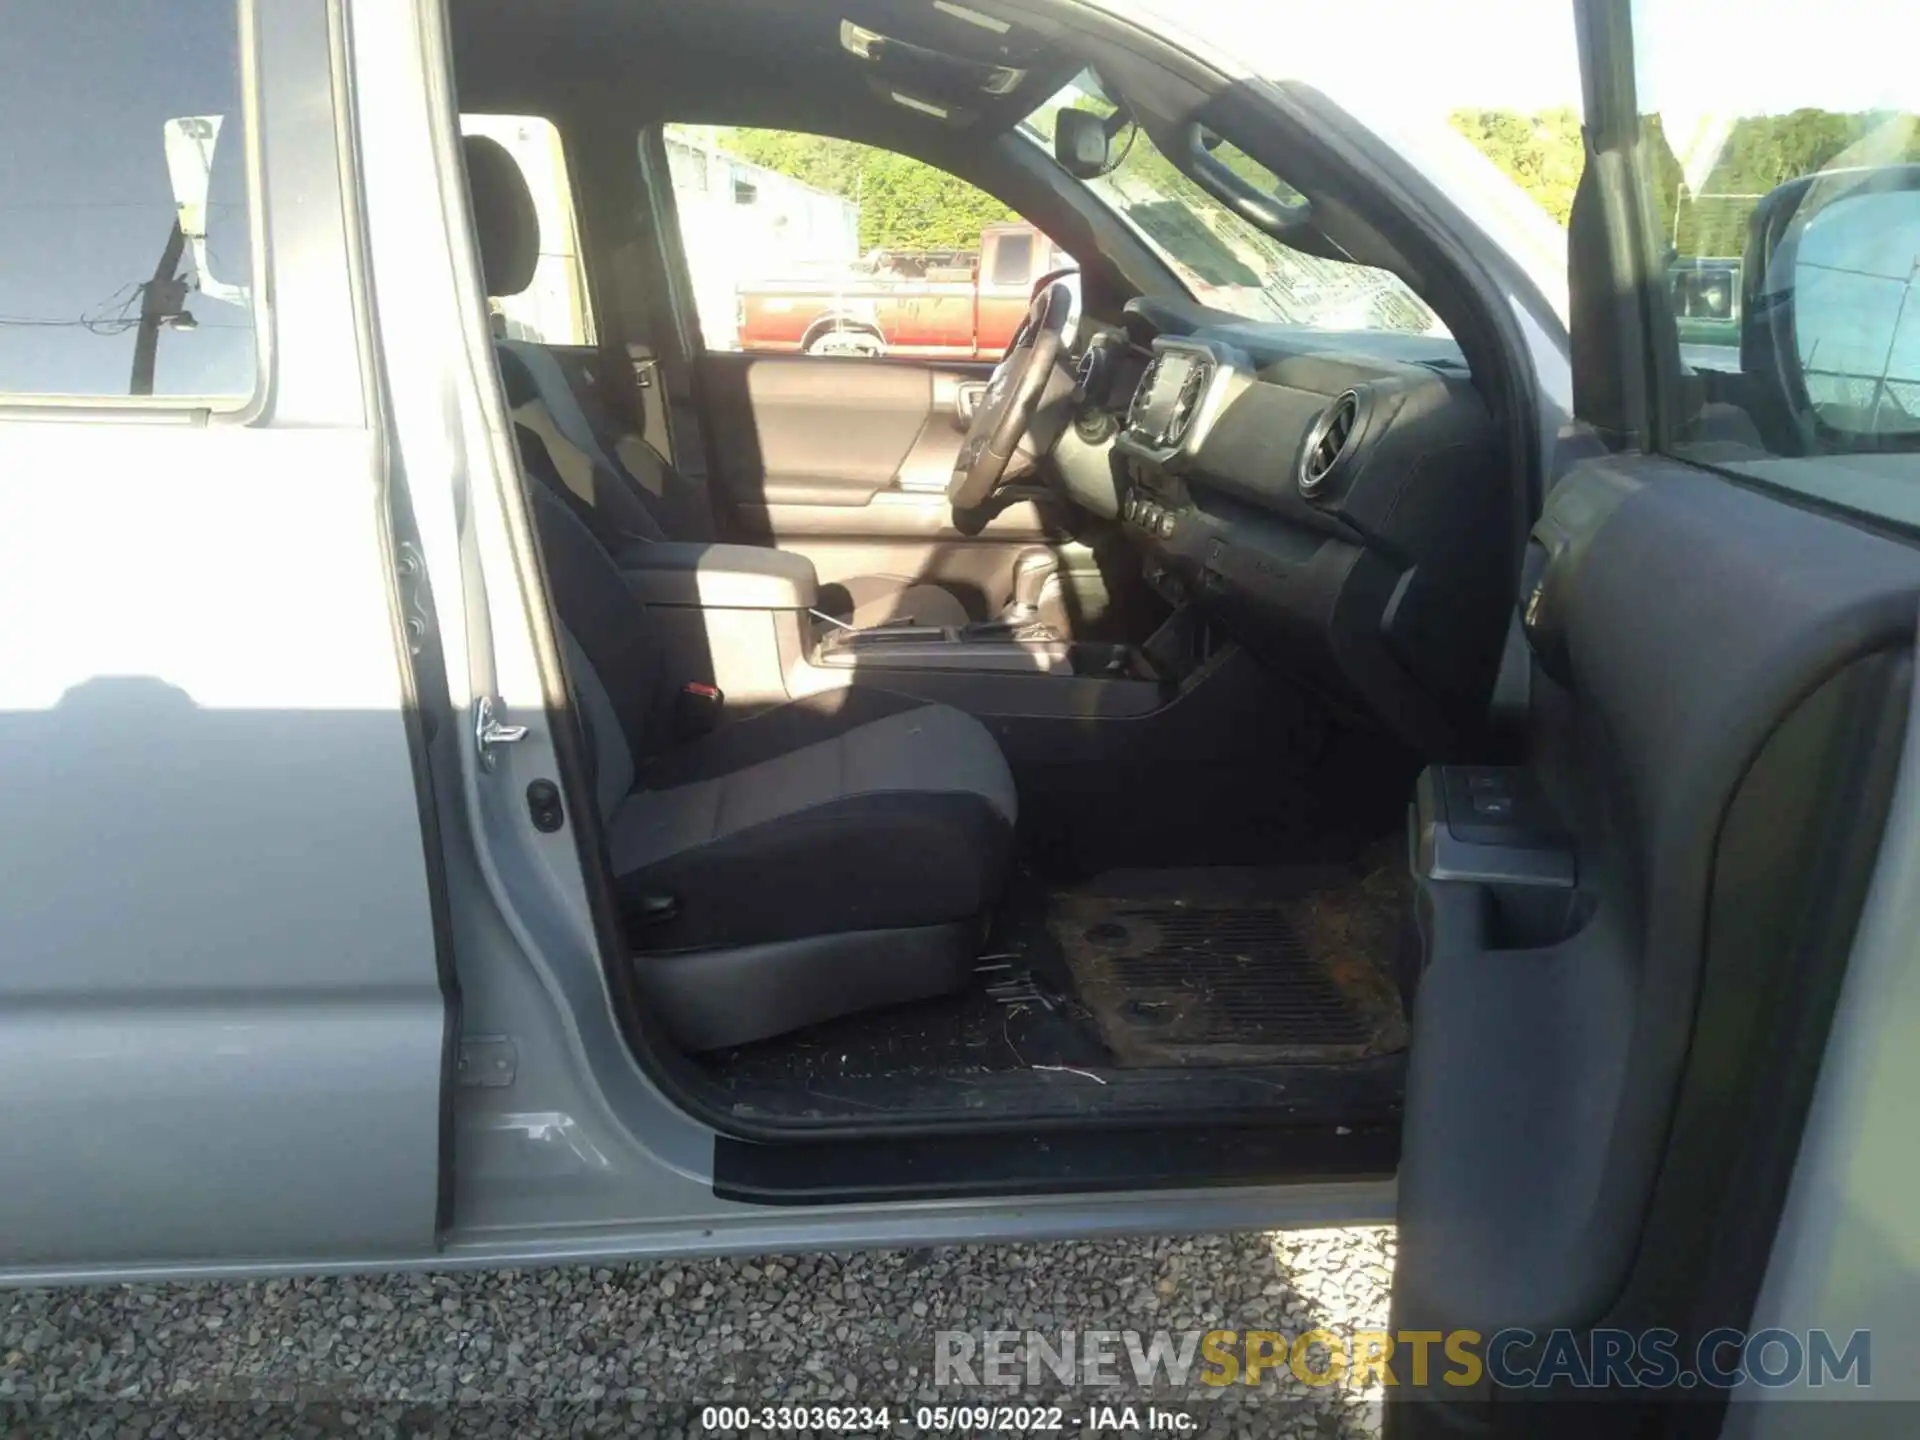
[[853, 810]]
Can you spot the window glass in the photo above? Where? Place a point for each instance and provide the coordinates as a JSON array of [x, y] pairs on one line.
[[553, 309], [1437, 83], [123, 202], [1224, 261], [1785, 185], [802, 243], [1013, 260]]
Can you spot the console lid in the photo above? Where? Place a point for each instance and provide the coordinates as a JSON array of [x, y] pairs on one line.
[[720, 577]]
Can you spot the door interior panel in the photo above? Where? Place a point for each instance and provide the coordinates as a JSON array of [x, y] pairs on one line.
[[811, 430], [846, 461], [1721, 683]]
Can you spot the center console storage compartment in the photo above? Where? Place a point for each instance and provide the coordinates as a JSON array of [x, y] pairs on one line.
[[727, 615], [988, 647]]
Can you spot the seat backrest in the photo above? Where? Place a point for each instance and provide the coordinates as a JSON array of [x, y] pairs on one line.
[[576, 461], [607, 751], [607, 626], [647, 505], [583, 502]]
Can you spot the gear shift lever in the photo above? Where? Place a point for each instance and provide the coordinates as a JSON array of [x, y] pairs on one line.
[[1031, 572]]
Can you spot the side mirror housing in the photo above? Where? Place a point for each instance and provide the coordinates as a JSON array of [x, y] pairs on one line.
[[1080, 143], [1832, 304]]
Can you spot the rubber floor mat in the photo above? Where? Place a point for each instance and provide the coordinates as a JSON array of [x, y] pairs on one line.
[[1207, 982]]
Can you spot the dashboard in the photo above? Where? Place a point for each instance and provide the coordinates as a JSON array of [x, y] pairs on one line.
[[1339, 503]]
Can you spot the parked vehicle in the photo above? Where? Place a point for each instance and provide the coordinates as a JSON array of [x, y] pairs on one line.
[[471, 801], [947, 307]]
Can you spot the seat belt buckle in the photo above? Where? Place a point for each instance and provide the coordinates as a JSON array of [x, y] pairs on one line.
[[696, 710]]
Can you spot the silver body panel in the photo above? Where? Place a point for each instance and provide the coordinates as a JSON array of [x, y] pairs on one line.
[[221, 1017]]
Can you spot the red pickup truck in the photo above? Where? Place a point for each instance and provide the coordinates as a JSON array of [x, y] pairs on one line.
[[949, 306]]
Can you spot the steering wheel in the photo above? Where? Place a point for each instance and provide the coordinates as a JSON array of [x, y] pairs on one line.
[[1013, 394]]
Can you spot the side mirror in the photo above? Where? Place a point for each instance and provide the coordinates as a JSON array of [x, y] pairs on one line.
[[1834, 310], [209, 198], [1081, 141], [1856, 312]]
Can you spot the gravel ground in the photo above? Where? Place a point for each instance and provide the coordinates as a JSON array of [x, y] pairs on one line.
[[638, 1349]]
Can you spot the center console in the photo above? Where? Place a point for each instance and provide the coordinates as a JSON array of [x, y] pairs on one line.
[[1128, 750], [997, 646], [744, 619]]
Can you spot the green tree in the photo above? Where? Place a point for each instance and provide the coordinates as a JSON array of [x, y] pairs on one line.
[[1761, 152], [1542, 153], [1545, 154], [905, 204]]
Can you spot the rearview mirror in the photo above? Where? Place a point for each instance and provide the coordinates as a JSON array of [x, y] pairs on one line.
[[1081, 142]]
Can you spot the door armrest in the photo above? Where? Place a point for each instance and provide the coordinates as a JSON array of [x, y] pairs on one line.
[[720, 577]]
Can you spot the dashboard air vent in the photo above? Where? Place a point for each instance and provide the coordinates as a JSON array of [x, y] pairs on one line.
[[1186, 405], [1142, 393], [1327, 442]]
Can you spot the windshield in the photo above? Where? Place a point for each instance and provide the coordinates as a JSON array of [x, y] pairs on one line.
[[1481, 97], [1224, 261]]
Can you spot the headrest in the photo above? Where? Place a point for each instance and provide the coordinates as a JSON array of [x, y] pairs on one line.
[[504, 221]]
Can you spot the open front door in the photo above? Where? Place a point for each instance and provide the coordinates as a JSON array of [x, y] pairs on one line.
[[1635, 940], [223, 1027]]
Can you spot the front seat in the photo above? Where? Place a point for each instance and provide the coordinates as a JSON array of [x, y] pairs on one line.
[[637, 494], [832, 855]]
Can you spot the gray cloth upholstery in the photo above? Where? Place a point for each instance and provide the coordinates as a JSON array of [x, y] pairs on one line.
[[900, 821], [536, 380], [606, 745], [606, 623], [563, 446], [857, 813], [729, 997]]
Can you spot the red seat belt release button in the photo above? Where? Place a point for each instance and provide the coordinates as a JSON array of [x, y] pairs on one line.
[[697, 710]]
